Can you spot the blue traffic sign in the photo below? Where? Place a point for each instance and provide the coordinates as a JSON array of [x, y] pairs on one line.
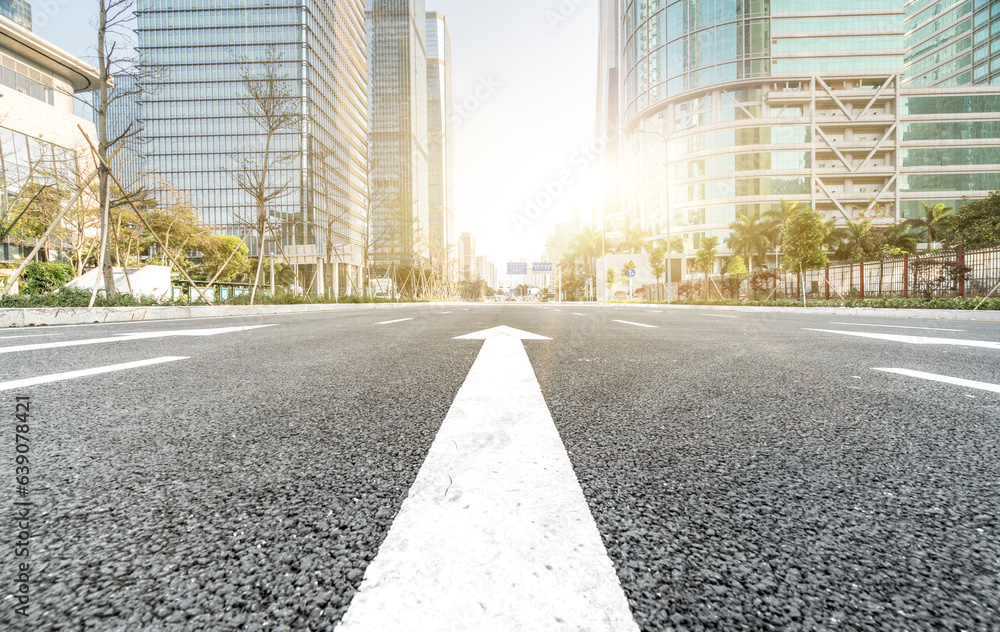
[[631, 273], [517, 268], [541, 267]]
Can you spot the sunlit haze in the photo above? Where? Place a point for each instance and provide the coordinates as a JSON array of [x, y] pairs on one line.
[[524, 84]]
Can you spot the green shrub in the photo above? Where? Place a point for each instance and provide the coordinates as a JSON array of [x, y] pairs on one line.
[[42, 278]]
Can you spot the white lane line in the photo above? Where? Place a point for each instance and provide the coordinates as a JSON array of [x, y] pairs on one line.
[[496, 533], [719, 316], [577, 314], [896, 327], [915, 340], [393, 322], [625, 322], [31, 336], [73, 375], [983, 386], [443, 313], [129, 337], [555, 309]]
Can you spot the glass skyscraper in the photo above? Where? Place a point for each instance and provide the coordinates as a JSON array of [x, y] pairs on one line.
[[397, 80], [857, 107], [440, 153], [18, 11], [198, 132]]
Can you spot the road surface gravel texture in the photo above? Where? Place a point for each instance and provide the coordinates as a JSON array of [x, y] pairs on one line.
[[745, 472]]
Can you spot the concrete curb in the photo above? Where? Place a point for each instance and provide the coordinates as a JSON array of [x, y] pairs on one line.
[[870, 312], [32, 317]]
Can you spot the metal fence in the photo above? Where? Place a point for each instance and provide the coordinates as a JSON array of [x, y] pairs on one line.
[[955, 273]]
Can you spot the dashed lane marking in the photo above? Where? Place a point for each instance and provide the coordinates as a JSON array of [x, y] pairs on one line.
[[495, 534], [896, 327], [73, 375], [148, 335], [626, 322], [719, 316], [393, 322], [915, 340], [983, 386], [578, 314]]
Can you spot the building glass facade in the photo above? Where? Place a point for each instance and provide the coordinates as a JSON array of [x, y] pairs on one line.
[[397, 80], [18, 11], [857, 107], [440, 152], [197, 131]]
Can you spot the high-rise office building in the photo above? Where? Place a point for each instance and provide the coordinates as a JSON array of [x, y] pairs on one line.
[[440, 153], [17, 11], [856, 107], [199, 133], [397, 82], [609, 110]]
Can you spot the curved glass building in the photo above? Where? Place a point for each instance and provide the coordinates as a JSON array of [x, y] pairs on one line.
[[857, 107]]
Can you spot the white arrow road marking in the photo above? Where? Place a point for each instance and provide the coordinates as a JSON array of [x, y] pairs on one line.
[[149, 335], [73, 375], [625, 322], [983, 386], [915, 340], [393, 322], [495, 534], [895, 327]]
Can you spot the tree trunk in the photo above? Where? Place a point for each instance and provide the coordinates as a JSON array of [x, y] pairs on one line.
[[102, 140], [260, 265]]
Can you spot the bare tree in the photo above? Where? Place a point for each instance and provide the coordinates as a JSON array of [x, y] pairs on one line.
[[271, 104], [116, 57]]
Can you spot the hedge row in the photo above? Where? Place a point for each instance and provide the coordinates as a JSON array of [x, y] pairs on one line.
[[879, 303]]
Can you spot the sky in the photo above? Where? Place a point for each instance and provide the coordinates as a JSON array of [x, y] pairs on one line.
[[524, 73]]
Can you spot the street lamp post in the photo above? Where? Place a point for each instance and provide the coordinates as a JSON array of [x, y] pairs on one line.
[[666, 203]]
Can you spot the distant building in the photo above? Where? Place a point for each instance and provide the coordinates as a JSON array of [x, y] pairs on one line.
[[440, 153], [397, 84], [40, 139], [17, 11], [467, 266], [198, 134], [856, 108]]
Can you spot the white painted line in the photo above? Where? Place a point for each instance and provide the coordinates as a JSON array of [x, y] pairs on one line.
[[719, 316], [895, 327], [576, 314], [393, 322], [149, 335], [443, 313], [625, 322], [31, 336], [983, 386], [73, 375], [495, 534], [916, 340], [556, 309]]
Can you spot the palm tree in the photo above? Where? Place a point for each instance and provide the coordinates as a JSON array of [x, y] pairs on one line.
[[859, 240], [934, 224], [750, 237], [586, 245], [776, 219], [901, 237], [636, 240]]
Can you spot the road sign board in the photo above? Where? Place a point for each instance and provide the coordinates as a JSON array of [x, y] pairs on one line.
[[630, 265], [631, 273], [517, 268], [587, 282], [541, 267]]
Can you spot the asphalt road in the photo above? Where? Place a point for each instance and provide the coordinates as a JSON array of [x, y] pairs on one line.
[[745, 471]]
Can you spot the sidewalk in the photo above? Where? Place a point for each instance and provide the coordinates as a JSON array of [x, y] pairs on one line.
[[32, 317]]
